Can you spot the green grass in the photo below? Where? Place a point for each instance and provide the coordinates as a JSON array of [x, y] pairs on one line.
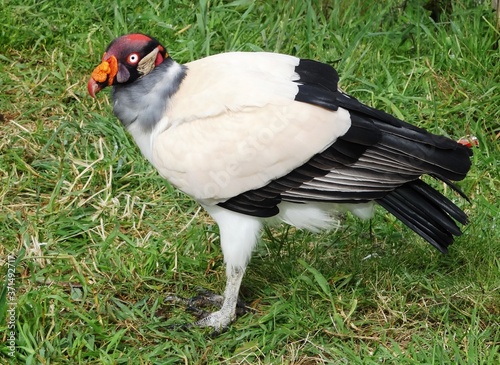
[[101, 240]]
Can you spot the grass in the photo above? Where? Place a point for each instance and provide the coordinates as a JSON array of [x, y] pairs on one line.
[[98, 240]]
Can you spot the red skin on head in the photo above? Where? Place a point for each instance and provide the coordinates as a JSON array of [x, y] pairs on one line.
[[137, 37], [119, 49]]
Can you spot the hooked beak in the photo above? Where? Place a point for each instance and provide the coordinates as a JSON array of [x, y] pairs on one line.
[[103, 75], [94, 87]]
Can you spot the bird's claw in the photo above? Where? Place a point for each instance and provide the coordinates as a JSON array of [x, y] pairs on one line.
[[207, 298], [204, 299]]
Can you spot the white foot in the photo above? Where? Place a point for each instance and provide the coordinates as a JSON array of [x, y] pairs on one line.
[[218, 321]]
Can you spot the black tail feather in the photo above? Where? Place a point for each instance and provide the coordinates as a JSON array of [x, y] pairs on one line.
[[427, 212]]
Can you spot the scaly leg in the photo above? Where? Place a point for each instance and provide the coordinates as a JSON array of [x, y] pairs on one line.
[[221, 319], [238, 235]]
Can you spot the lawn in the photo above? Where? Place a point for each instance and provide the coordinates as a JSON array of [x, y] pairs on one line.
[[94, 241]]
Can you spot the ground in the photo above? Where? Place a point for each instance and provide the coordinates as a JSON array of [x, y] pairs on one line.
[[93, 241]]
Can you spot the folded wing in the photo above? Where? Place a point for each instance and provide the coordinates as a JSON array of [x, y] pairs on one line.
[[292, 135]]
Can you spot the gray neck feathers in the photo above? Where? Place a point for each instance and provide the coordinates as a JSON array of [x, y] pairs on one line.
[[145, 100]]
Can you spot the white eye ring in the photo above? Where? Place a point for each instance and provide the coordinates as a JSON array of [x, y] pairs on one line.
[[133, 58]]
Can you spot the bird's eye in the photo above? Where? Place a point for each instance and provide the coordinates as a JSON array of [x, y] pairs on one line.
[[133, 58]]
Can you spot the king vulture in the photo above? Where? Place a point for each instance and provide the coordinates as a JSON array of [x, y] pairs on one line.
[[256, 136]]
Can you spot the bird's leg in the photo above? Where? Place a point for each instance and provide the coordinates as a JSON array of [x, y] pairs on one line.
[[222, 318], [238, 234]]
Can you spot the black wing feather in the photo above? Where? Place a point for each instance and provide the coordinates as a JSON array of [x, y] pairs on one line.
[[379, 158]]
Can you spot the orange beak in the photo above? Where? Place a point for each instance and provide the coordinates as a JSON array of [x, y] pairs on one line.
[[103, 75]]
